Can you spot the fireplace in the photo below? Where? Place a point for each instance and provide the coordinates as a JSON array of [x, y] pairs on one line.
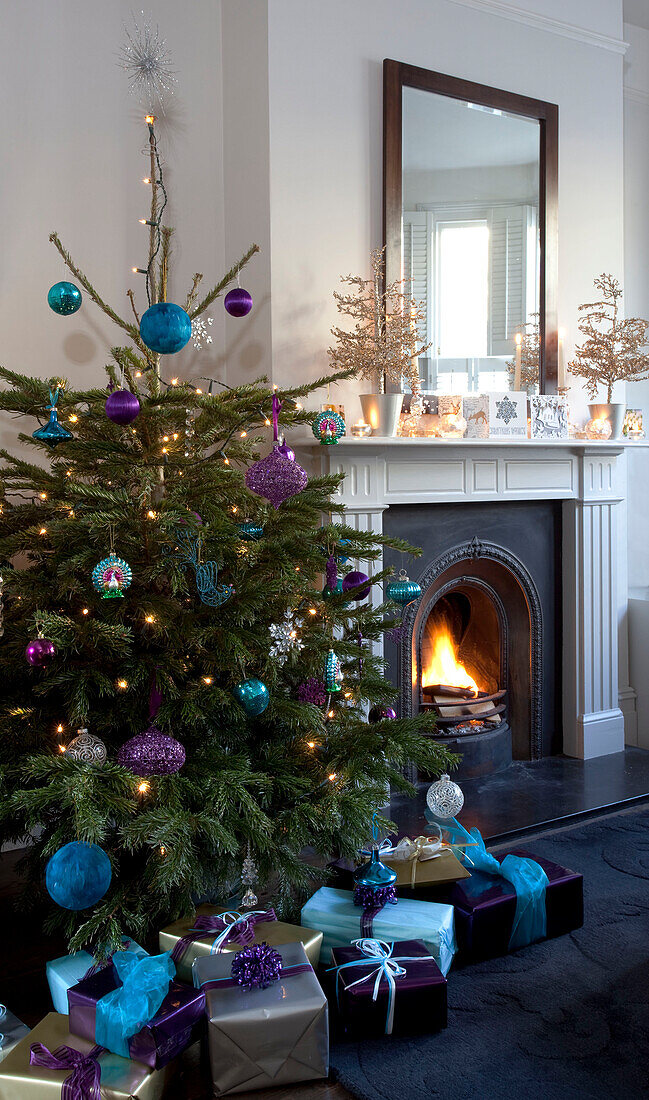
[[480, 648]]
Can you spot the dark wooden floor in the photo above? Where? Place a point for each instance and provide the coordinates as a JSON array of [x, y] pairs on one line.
[[24, 950]]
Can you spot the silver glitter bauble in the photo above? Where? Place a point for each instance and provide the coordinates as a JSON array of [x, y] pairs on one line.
[[445, 798], [86, 748]]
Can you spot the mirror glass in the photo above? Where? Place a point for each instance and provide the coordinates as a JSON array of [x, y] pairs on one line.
[[470, 233]]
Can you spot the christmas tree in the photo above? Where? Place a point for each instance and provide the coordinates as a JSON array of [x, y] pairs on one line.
[[613, 347], [167, 584]]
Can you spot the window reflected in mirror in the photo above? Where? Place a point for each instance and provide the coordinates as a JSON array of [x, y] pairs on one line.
[[471, 249]]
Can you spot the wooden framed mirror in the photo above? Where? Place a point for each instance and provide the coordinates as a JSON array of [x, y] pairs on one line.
[[470, 188]]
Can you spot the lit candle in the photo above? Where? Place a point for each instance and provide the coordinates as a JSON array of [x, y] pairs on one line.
[[517, 364], [562, 360], [361, 429]]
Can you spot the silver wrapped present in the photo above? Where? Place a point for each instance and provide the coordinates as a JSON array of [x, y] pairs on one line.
[[259, 1038], [12, 1030]]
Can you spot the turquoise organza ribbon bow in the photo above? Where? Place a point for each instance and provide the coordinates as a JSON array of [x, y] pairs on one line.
[[526, 876], [125, 1010]]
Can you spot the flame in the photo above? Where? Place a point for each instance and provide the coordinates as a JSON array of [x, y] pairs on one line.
[[443, 666]]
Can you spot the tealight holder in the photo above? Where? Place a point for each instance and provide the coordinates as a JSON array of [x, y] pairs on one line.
[[361, 430]]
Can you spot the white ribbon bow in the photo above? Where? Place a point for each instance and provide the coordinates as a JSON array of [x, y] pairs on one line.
[[377, 949]]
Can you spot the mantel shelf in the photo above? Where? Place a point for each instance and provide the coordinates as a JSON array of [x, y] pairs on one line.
[[574, 445]]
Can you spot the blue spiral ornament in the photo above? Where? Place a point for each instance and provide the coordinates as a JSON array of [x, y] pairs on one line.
[[402, 590], [333, 672], [328, 427], [111, 576]]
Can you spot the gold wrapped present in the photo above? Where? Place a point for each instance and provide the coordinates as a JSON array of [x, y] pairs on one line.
[[121, 1078], [234, 931], [424, 861]]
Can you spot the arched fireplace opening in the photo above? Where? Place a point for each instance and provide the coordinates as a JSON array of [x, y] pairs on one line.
[[471, 652]]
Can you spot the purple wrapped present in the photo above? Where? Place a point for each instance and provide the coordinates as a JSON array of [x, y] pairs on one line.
[[485, 906], [388, 988], [176, 1023]]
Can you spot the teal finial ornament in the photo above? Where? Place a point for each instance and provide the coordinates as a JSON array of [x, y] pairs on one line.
[[52, 433], [374, 874], [402, 590], [333, 672]]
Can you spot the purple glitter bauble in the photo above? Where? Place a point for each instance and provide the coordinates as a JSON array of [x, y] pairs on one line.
[[257, 966], [276, 478], [312, 691], [352, 580], [40, 652], [122, 407], [238, 302], [379, 714], [152, 753]]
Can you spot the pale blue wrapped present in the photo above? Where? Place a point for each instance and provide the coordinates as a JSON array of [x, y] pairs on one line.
[[70, 969], [333, 912]]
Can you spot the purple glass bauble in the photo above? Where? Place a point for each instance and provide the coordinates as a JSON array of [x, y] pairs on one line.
[[40, 652], [238, 302], [352, 580], [276, 478], [380, 714], [287, 451], [152, 753], [122, 407]]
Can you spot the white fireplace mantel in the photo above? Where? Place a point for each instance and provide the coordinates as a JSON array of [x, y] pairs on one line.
[[584, 474]]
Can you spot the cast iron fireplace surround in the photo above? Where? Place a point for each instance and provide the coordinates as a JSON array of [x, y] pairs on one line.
[[512, 553]]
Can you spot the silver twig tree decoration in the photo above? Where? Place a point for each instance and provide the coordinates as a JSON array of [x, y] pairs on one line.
[[612, 351]]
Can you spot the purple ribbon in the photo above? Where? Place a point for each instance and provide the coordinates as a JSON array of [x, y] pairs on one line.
[[230, 983], [372, 900], [277, 404], [83, 1082], [241, 930]]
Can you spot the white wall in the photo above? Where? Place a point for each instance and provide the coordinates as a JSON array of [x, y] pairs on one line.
[[72, 137], [325, 88]]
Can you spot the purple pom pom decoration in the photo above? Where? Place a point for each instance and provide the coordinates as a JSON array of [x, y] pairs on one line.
[[276, 478], [257, 966], [352, 580], [122, 407], [372, 897], [238, 302], [152, 753], [332, 573], [312, 691], [40, 652]]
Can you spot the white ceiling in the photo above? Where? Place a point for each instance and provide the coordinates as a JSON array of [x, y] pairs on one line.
[[637, 11], [441, 133]]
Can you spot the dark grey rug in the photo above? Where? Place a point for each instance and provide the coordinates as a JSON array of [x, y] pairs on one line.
[[565, 1018]]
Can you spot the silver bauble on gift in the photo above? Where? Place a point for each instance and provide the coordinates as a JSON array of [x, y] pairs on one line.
[[444, 798], [86, 748]]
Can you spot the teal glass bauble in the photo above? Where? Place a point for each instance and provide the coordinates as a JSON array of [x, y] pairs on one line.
[[374, 874], [402, 590], [78, 875], [165, 328], [328, 592], [253, 695], [64, 298], [250, 532]]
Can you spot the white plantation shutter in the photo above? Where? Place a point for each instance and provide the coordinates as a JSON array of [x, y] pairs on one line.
[[416, 262], [513, 231]]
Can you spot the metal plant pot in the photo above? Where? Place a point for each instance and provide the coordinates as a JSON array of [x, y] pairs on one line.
[[613, 412], [381, 410]]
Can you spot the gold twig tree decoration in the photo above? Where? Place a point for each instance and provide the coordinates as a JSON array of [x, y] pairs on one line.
[[530, 352], [612, 351], [385, 341]]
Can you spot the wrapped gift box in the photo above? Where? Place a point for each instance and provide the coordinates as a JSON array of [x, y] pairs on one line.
[[485, 906], [177, 1023], [275, 932], [121, 1078], [419, 995], [263, 1037], [334, 912], [70, 969], [12, 1030]]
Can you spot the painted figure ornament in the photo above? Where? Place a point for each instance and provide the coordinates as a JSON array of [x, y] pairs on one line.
[[328, 427], [111, 577]]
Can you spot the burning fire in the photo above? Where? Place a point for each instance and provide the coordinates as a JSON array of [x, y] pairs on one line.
[[443, 666]]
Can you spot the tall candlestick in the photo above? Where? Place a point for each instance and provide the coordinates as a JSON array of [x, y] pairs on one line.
[[517, 364], [561, 374]]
